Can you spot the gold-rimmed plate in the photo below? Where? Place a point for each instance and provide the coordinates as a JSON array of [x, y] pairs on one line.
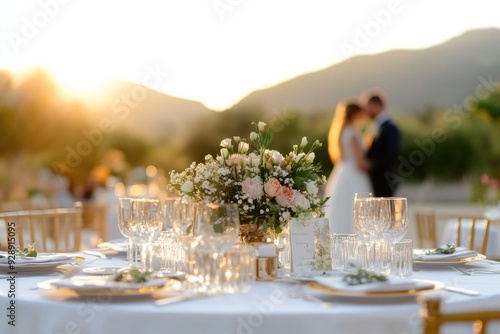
[[35, 267], [92, 286], [451, 261], [421, 286]]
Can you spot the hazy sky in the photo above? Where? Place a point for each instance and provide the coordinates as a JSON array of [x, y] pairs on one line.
[[217, 51]]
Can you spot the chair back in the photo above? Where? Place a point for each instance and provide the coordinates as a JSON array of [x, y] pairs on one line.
[[476, 224], [477, 232], [53, 230], [426, 228], [434, 318]]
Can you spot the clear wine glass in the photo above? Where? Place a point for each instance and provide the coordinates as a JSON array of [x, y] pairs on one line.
[[125, 227], [168, 212], [398, 217], [370, 218], [146, 225]]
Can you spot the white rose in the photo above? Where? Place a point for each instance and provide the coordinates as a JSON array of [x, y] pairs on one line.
[[299, 157], [254, 136], [312, 188], [261, 126], [243, 147], [277, 157], [226, 142], [187, 187], [254, 159], [301, 201], [310, 157], [236, 138], [304, 142], [224, 153]]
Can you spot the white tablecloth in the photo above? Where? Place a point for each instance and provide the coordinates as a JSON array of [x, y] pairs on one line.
[[267, 308]]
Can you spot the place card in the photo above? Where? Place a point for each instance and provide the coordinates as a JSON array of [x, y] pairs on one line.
[[310, 245]]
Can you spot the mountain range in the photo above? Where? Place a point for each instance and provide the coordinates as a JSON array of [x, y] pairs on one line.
[[413, 80]]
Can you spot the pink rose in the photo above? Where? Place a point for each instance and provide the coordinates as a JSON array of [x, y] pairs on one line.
[[272, 187], [252, 187], [285, 197]]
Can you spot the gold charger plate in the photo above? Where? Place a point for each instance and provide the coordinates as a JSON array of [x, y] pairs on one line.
[[427, 286], [451, 261], [90, 286]]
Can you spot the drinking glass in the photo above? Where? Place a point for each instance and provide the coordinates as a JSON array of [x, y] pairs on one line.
[[402, 258], [168, 212], [146, 225], [371, 220], [398, 215], [218, 226], [125, 227], [338, 249]]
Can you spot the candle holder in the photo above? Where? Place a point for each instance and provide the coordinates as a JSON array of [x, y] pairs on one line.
[[267, 263]]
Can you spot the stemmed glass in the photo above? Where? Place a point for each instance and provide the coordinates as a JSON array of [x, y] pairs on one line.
[[146, 225], [218, 226], [125, 227], [398, 216], [371, 219]]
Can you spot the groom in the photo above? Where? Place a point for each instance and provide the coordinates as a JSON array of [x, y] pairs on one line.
[[385, 147]]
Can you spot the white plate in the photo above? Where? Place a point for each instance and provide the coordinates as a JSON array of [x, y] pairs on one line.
[[101, 270], [33, 267], [422, 286], [479, 257], [88, 285]]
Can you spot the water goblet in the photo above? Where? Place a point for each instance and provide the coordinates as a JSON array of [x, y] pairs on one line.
[[147, 223], [371, 219], [125, 227]]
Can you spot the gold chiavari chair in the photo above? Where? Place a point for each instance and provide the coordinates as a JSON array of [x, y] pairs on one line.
[[53, 230], [427, 229], [434, 318], [476, 224]]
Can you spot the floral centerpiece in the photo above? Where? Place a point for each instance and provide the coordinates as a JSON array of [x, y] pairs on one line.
[[270, 188]]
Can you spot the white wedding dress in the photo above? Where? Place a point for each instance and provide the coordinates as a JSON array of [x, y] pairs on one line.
[[345, 180]]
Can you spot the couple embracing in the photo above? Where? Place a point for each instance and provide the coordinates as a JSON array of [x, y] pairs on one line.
[[360, 166]]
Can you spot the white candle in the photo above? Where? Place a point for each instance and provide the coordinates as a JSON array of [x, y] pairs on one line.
[[267, 250]]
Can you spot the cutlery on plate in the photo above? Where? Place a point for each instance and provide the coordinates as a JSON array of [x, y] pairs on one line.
[[95, 253]]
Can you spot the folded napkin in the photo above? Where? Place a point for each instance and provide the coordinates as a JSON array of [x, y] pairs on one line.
[[118, 245], [460, 253], [38, 259], [392, 284]]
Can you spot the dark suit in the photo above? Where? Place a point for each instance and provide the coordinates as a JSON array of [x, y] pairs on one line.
[[383, 156]]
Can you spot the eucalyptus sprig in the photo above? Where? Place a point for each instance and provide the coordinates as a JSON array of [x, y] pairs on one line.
[[362, 277], [28, 251], [131, 276], [445, 249]]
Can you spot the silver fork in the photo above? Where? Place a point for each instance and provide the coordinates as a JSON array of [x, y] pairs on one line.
[[474, 271]]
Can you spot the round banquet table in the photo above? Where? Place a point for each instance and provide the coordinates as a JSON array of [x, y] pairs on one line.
[[268, 308]]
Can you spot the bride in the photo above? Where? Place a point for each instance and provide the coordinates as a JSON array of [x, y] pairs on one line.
[[345, 146]]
